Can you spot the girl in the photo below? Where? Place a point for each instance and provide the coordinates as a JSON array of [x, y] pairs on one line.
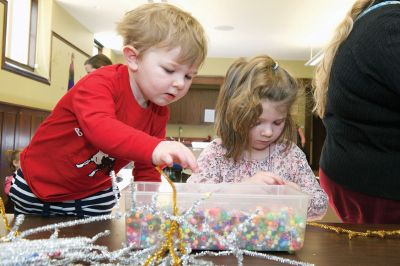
[[255, 128], [14, 166]]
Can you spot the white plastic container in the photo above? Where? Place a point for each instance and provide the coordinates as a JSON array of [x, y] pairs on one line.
[[276, 216]]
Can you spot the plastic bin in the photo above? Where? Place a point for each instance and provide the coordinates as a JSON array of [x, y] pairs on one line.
[[254, 217]]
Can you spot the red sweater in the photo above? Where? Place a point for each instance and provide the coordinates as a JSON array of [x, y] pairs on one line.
[[96, 127]]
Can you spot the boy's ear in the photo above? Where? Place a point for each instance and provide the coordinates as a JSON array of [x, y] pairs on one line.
[[131, 57]]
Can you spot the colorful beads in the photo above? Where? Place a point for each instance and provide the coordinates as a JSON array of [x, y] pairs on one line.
[[281, 230]]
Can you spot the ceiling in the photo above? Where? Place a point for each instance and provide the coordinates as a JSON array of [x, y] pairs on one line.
[[283, 29]]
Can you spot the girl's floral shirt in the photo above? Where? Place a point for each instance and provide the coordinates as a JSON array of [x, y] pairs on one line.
[[290, 165]]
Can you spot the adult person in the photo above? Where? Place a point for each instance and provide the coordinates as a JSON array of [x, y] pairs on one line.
[[96, 62], [357, 93]]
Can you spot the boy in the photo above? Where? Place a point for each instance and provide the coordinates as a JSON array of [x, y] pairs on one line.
[[115, 115]]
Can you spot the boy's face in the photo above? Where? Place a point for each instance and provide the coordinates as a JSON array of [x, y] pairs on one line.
[[159, 78]]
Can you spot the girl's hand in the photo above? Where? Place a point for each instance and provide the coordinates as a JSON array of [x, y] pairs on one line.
[[168, 152], [293, 185], [268, 178]]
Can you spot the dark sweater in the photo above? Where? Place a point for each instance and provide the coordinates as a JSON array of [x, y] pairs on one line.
[[362, 147]]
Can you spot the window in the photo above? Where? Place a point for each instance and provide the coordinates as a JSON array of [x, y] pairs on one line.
[[21, 32], [21, 38]]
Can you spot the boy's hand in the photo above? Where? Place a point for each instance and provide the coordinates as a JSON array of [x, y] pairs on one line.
[[168, 152], [268, 178]]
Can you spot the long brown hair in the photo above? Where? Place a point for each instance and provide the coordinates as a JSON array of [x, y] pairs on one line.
[[323, 70], [239, 106]]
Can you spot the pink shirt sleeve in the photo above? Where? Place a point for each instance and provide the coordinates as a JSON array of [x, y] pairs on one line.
[[7, 184]]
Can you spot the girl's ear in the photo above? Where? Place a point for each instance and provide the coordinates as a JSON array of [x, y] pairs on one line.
[[131, 57]]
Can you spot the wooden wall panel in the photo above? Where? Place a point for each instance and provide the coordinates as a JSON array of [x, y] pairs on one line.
[[190, 109], [35, 123], [17, 127], [8, 125], [175, 110], [23, 130], [7, 141], [202, 95]]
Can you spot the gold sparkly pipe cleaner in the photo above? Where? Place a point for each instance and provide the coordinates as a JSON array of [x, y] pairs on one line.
[[174, 230], [351, 234], [3, 215]]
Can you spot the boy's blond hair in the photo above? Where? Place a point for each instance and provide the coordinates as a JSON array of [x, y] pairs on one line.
[[163, 25], [239, 104]]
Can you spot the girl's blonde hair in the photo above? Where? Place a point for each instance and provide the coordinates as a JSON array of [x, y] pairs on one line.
[[323, 70], [239, 105], [163, 25]]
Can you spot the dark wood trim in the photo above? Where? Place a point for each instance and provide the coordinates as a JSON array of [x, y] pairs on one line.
[[3, 52], [97, 43], [65, 41], [19, 65], [24, 106], [58, 36], [98, 46], [208, 80], [11, 68], [309, 103], [314, 128]]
